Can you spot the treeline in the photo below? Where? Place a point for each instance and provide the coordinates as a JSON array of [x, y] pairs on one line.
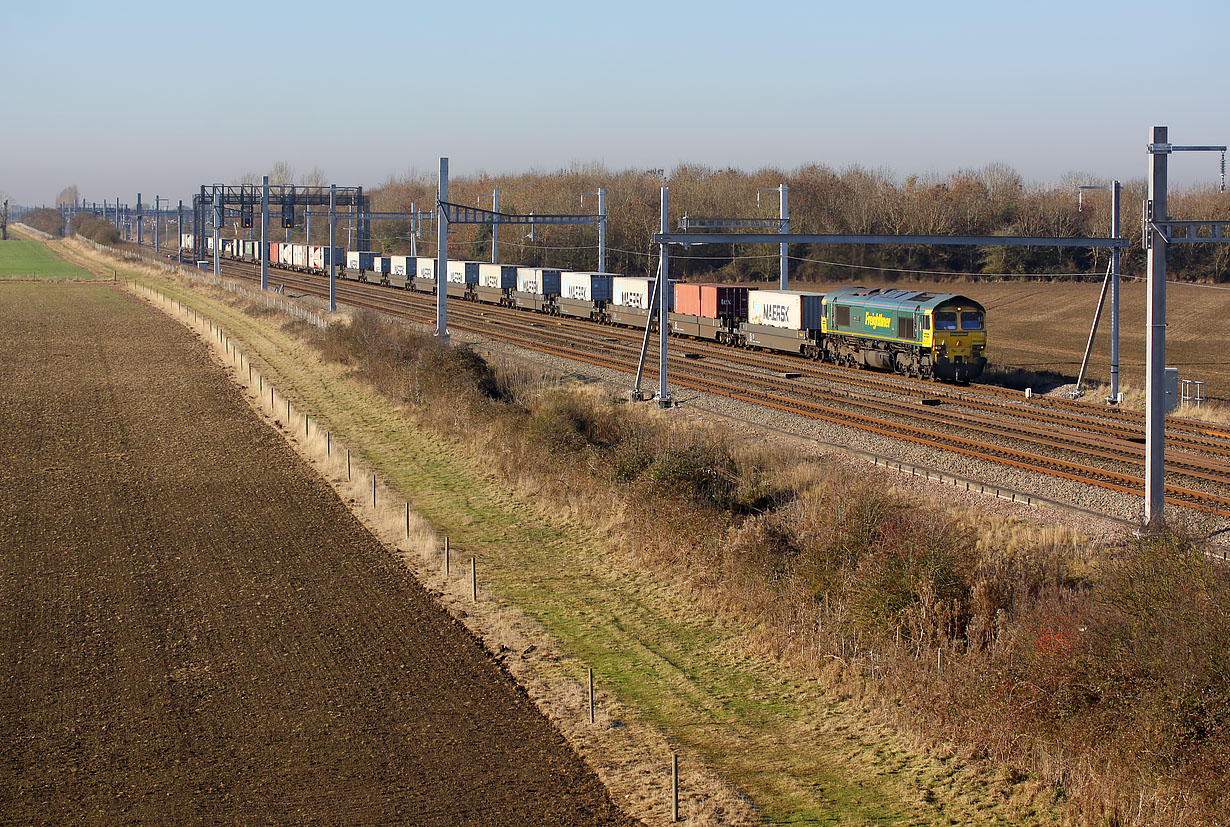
[[993, 200], [51, 221], [46, 220]]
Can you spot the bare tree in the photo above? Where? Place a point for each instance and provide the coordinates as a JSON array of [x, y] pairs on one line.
[[249, 179], [282, 173], [68, 195], [315, 178]]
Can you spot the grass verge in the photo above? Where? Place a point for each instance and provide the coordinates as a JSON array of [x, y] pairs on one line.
[[684, 629]]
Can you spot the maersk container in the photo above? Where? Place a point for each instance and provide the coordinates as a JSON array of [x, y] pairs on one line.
[[359, 261], [425, 268], [402, 266], [787, 309], [538, 280], [462, 272], [585, 286], [637, 291], [497, 276]]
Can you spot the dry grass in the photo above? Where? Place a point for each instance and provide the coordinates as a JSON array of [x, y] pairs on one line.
[[1025, 647]]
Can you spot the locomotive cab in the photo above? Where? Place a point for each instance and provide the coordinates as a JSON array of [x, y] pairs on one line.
[[958, 339]]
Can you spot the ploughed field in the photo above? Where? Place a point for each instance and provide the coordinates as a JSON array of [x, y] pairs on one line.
[[193, 628]]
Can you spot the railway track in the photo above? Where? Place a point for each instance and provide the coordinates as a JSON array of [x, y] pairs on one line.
[[1066, 440]]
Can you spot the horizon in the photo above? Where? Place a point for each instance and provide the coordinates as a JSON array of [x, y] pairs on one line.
[[114, 107]]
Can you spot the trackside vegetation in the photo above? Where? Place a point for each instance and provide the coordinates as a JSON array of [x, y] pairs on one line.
[[1101, 670]]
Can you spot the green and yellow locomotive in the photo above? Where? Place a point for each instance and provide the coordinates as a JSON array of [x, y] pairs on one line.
[[913, 333]]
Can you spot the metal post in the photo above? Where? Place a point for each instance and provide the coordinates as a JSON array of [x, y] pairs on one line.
[[785, 216], [1155, 344], [139, 222], [601, 229], [179, 231], [1114, 294], [157, 211], [332, 248], [415, 229], [307, 228], [664, 397], [442, 256], [1093, 332], [265, 234], [495, 225], [217, 231]]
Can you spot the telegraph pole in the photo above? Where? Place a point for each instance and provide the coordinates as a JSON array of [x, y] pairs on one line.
[[442, 256], [217, 231], [1114, 294], [495, 227], [664, 396], [1155, 342], [332, 248], [265, 234]]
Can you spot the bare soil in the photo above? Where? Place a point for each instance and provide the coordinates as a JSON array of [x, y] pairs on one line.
[[194, 629]]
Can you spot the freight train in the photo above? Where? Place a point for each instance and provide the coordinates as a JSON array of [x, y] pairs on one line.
[[909, 332]]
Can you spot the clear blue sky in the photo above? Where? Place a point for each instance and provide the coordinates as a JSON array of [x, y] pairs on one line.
[[163, 97]]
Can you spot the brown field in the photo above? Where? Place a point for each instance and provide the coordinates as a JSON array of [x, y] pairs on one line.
[[193, 627], [1043, 326]]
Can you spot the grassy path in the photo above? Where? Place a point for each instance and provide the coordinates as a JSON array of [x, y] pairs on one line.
[[804, 755], [22, 258]]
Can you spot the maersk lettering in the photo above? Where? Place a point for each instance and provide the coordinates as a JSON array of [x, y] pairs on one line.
[[776, 313], [578, 291]]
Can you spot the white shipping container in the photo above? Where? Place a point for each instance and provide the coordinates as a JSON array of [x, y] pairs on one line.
[[637, 291], [286, 256], [299, 256], [380, 264], [497, 276], [402, 265], [589, 287], [425, 268], [787, 309], [538, 280], [352, 260], [462, 272]]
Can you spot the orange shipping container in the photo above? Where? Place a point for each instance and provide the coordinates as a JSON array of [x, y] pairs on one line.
[[687, 299]]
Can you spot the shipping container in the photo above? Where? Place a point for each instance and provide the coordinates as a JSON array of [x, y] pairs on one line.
[[637, 292], [497, 276], [538, 280], [402, 266], [299, 256], [462, 272], [381, 264], [712, 301], [787, 309], [359, 261], [586, 286], [425, 268], [274, 253], [185, 241], [320, 257]]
